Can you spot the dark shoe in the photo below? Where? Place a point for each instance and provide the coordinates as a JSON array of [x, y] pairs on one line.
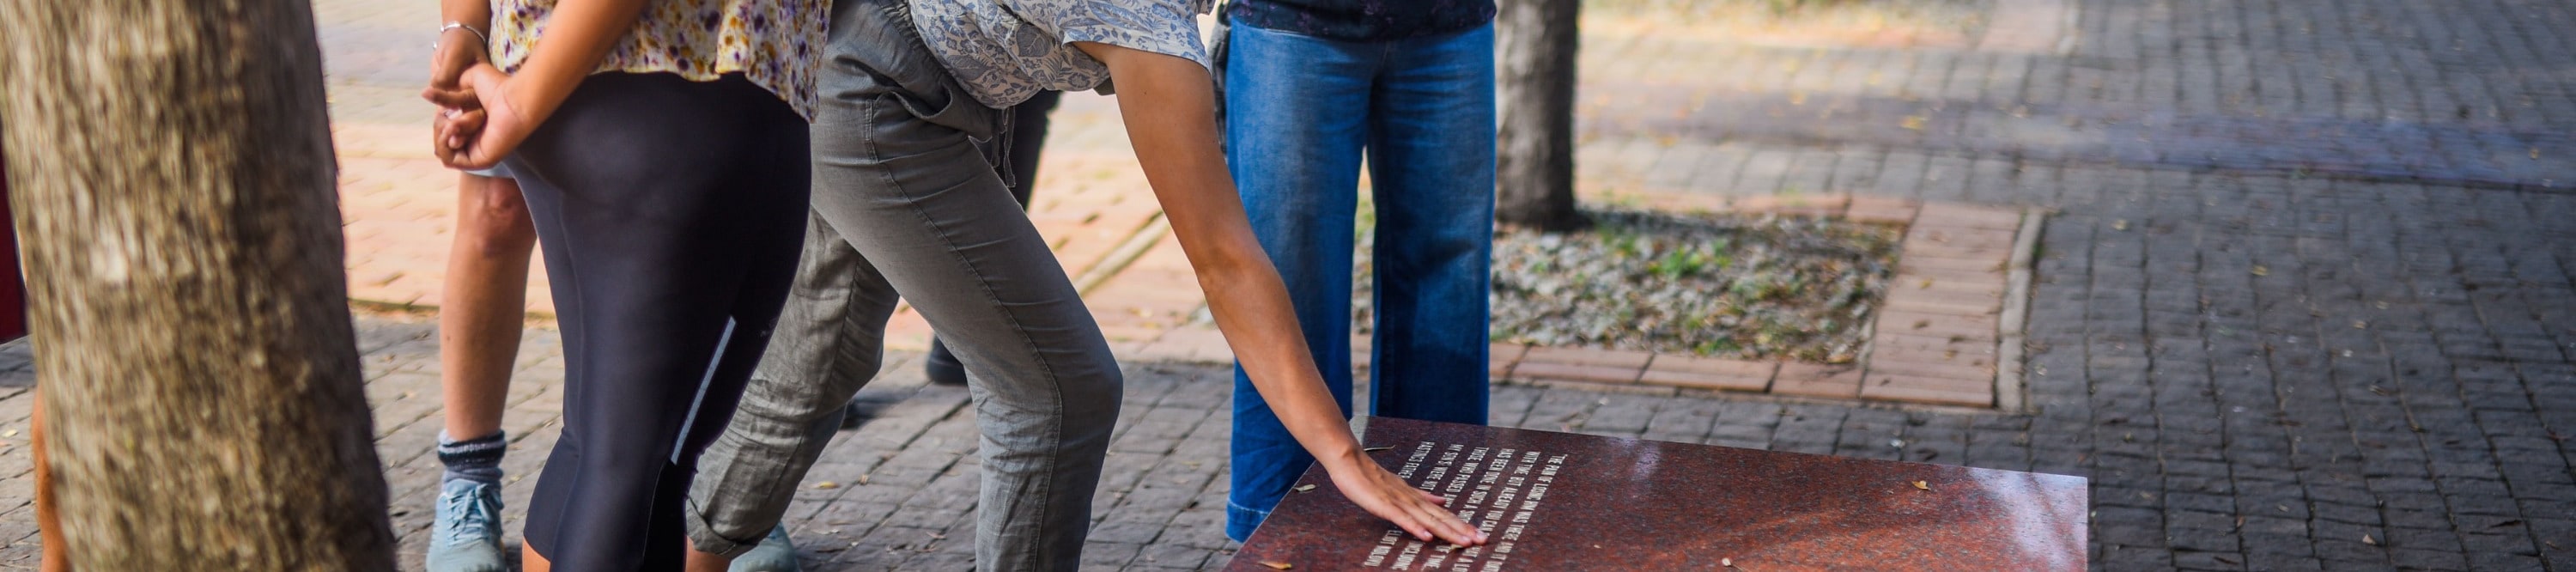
[[941, 366], [853, 415]]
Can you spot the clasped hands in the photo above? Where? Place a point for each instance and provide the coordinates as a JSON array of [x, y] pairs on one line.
[[477, 122]]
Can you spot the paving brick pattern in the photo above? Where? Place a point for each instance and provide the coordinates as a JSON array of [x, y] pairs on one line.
[[1952, 277], [2446, 93], [2305, 301], [1936, 341]]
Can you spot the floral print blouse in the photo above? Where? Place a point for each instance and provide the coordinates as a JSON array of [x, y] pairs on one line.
[[773, 43]]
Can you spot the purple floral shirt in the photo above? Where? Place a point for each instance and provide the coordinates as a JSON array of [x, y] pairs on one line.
[[773, 43]]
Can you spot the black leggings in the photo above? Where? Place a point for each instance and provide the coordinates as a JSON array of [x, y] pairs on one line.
[[671, 213]]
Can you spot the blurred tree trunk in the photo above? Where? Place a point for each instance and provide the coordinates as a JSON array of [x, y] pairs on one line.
[[171, 168], [1534, 49], [49, 529]]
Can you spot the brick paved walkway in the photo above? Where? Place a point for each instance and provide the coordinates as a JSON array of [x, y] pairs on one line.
[[2306, 301]]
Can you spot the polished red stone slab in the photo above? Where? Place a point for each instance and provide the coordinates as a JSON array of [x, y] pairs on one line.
[[1566, 502]]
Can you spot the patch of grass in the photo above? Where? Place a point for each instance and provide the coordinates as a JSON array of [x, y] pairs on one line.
[[1724, 285]]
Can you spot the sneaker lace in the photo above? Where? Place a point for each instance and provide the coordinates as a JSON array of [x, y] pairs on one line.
[[472, 515]]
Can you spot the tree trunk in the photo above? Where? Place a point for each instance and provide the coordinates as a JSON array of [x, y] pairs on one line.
[[172, 176], [1534, 49]]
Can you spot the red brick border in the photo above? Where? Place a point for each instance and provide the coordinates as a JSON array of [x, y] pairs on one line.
[[1937, 338]]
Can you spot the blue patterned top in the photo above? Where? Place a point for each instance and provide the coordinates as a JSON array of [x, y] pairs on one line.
[[1004, 51]]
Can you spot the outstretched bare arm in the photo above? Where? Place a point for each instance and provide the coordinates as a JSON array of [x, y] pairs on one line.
[[1170, 111]]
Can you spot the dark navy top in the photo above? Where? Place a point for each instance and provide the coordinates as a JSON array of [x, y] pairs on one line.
[[1363, 20]]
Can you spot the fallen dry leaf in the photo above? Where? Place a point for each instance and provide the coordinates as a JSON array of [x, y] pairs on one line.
[[863, 479], [2259, 270], [1304, 488], [1925, 485], [1277, 565], [9, 433], [827, 485], [2366, 539], [1693, 304], [1914, 122]]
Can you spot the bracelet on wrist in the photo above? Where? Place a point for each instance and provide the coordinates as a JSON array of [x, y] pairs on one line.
[[482, 40]]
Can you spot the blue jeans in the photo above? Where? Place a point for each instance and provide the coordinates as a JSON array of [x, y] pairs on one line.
[[1300, 111]]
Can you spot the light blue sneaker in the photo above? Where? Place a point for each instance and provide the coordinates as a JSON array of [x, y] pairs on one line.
[[467, 534], [774, 554]]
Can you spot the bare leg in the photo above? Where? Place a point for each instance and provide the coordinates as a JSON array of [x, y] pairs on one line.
[[486, 303], [531, 561], [48, 524], [478, 330], [707, 562]]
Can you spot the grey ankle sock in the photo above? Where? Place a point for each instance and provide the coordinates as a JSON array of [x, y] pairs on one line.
[[477, 460]]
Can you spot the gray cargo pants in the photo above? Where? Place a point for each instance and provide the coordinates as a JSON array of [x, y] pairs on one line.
[[907, 204]]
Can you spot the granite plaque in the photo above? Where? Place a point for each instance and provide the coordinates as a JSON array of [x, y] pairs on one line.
[[1565, 502]]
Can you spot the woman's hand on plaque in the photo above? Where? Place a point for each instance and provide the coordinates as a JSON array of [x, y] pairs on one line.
[[1417, 511]]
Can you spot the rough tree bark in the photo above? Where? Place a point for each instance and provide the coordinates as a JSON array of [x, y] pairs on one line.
[[171, 168], [1534, 49]]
